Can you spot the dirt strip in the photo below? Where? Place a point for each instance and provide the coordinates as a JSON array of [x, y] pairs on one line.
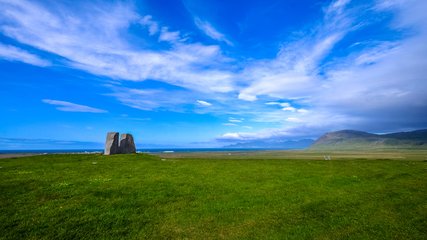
[[16, 155]]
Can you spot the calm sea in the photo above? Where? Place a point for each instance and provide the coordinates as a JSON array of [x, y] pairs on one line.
[[154, 150]]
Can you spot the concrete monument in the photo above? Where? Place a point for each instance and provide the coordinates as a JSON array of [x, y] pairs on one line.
[[114, 146], [112, 143], [127, 145]]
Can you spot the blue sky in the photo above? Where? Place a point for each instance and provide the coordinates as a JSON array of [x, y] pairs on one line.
[[208, 73]]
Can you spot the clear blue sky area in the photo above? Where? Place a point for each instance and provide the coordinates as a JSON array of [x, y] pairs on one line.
[[208, 73]]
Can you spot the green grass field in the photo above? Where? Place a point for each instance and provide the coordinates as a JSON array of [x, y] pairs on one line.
[[259, 195]]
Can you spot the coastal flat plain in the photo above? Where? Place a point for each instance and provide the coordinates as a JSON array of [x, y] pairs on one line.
[[217, 195]]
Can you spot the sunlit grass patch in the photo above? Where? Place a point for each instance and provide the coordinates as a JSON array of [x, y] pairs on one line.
[[240, 197], [99, 180]]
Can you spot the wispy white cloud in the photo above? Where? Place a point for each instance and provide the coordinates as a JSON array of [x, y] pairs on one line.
[[291, 109], [272, 103], [231, 136], [234, 120], [153, 27], [229, 124], [152, 99], [12, 53], [168, 36], [297, 127], [286, 106], [210, 31], [203, 103], [295, 71], [281, 104], [72, 107], [302, 110], [337, 6], [294, 119], [97, 42]]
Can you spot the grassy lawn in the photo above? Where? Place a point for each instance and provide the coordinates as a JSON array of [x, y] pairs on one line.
[[266, 196]]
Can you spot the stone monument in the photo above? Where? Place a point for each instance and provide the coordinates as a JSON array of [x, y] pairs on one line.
[[113, 146], [112, 143], [127, 145]]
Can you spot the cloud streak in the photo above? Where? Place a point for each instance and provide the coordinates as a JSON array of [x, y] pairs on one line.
[[95, 43], [211, 32], [12, 53], [72, 107], [204, 103]]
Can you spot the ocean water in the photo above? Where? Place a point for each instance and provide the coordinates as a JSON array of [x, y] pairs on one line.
[[41, 151], [148, 150]]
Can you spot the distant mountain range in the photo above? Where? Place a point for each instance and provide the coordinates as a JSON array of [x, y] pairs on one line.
[[274, 144], [351, 139], [345, 140]]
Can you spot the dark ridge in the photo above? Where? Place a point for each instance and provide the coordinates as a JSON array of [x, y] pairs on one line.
[[352, 139]]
